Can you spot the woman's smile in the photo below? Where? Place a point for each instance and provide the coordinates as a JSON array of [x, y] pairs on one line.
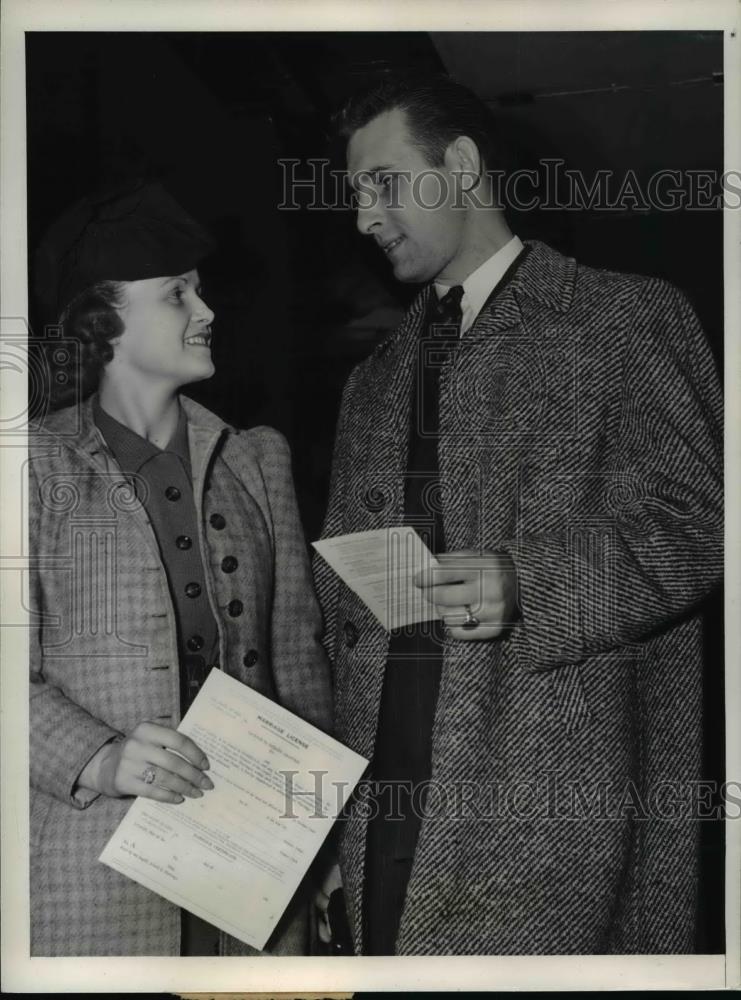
[[199, 340]]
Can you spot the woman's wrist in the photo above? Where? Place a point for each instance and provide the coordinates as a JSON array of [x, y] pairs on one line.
[[93, 774]]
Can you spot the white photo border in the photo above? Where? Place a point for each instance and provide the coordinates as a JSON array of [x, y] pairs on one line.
[[299, 975]]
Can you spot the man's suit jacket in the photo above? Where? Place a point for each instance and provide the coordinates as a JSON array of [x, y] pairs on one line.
[[104, 653], [580, 431]]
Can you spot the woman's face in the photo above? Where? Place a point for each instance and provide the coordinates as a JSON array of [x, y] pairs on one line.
[[167, 331]]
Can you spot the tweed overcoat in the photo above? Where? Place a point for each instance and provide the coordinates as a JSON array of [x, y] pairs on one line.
[[580, 431], [104, 650]]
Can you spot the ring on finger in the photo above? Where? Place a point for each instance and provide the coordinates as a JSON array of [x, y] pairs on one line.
[[148, 775], [471, 621]]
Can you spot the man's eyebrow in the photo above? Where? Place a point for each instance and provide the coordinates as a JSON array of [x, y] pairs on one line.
[[371, 172]]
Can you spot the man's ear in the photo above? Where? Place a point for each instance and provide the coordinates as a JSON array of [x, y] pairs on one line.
[[462, 155]]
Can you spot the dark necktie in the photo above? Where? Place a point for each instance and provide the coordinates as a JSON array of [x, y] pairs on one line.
[[445, 315]]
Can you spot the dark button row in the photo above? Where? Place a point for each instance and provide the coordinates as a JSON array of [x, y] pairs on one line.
[[193, 589], [184, 541], [229, 564], [217, 521], [195, 643]]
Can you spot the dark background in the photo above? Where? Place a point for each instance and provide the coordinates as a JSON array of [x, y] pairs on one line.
[[298, 297]]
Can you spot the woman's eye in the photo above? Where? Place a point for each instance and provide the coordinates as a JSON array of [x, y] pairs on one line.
[[177, 294]]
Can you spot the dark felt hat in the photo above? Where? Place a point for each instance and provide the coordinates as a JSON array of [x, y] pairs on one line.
[[123, 235]]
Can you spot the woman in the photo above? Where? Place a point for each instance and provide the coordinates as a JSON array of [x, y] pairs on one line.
[[166, 543]]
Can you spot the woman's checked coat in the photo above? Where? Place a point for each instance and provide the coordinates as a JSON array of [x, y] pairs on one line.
[[104, 651], [580, 431]]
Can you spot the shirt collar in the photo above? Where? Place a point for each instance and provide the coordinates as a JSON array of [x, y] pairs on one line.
[[479, 285], [130, 450]]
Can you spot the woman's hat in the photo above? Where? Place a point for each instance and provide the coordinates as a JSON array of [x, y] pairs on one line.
[[141, 232]]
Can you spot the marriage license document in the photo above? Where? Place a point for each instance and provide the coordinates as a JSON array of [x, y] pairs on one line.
[[236, 856]]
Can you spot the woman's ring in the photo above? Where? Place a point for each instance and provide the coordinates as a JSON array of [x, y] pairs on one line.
[[148, 775], [471, 619]]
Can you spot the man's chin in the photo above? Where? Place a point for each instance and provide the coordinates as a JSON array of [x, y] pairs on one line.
[[408, 273]]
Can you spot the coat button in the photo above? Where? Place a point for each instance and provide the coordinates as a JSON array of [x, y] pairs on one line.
[[229, 564], [172, 493], [250, 658], [193, 589], [217, 521], [351, 635], [183, 541], [195, 643], [235, 608]]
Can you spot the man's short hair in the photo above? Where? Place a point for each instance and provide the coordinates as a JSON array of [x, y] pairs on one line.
[[438, 110]]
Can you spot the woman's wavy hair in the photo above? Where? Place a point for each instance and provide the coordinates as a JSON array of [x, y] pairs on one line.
[[90, 320]]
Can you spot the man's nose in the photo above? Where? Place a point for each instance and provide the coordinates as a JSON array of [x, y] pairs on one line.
[[369, 215], [367, 221]]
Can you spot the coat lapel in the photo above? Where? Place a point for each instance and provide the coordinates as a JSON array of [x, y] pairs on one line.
[[492, 392], [75, 428], [378, 499], [205, 430]]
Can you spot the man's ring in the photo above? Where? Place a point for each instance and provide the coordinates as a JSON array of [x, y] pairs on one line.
[[148, 775], [471, 619]]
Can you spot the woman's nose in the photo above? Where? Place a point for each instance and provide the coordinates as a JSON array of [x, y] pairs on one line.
[[203, 313]]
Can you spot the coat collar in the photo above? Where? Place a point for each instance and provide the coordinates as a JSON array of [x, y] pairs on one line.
[[76, 428], [544, 277]]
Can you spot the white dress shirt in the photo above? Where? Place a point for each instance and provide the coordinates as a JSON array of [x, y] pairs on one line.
[[479, 285]]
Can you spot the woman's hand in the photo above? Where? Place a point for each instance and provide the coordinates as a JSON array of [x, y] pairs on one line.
[[144, 764]]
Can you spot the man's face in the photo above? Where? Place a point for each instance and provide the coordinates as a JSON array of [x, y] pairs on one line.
[[404, 203]]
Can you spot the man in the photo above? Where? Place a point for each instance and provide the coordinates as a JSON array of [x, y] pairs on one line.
[[554, 431]]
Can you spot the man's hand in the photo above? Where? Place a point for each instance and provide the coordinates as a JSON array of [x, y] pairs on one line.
[[484, 582], [144, 764]]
